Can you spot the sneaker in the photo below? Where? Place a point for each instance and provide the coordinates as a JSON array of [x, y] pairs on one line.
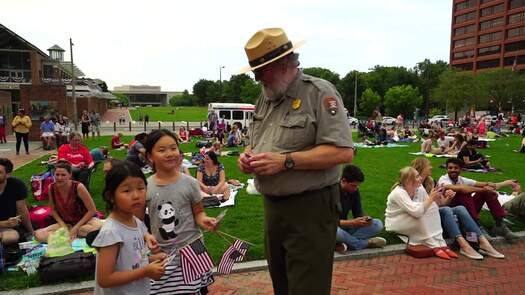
[[504, 231], [376, 242], [341, 248]]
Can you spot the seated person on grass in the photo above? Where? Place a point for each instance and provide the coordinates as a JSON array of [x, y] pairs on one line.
[[522, 149], [184, 137], [472, 159], [473, 195], [445, 143], [79, 156], [137, 152], [357, 233], [48, 133], [516, 206], [71, 205], [426, 145], [212, 177], [14, 217], [115, 142]]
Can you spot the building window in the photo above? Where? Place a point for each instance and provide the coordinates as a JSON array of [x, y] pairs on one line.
[[466, 4], [518, 17], [511, 33], [465, 17], [491, 63], [466, 66], [491, 23], [516, 3], [464, 42], [515, 46], [464, 30], [489, 50], [491, 10], [490, 37], [509, 61], [463, 54]]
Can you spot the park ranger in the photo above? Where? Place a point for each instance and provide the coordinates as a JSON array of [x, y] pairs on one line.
[[298, 139]]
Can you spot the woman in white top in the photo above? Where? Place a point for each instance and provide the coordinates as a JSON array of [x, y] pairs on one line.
[[412, 212]]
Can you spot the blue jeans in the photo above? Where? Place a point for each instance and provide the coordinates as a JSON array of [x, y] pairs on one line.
[[451, 227], [356, 238]]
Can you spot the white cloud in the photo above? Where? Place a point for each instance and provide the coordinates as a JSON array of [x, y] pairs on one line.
[[175, 43]]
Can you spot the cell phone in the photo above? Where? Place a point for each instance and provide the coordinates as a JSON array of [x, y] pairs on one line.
[[368, 218]]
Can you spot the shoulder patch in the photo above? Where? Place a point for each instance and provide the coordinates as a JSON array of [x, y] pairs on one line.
[[330, 104]]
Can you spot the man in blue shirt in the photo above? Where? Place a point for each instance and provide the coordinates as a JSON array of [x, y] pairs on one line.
[[48, 133], [357, 233]]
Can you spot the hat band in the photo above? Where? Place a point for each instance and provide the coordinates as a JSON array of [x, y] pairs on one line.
[[272, 54]]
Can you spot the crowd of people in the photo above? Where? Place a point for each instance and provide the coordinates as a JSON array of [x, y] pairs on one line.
[[294, 152]]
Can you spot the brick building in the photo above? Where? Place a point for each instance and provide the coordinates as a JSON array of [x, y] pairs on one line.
[[42, 83], [488, 34]]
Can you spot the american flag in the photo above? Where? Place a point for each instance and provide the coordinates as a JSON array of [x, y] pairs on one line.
[[234, 253], [195, 261]]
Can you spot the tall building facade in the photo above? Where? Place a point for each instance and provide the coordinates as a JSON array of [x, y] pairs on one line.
[[488, 34]]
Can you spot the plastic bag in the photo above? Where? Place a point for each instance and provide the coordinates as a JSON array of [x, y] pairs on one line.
[[58, 243]]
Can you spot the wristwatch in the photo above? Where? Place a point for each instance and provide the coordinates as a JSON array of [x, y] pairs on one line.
[[289, 162]]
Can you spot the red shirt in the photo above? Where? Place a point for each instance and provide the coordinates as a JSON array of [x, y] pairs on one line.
[[80, 155], [115, 141]]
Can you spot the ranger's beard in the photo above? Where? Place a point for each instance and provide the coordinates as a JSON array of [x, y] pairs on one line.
[[277, 90]]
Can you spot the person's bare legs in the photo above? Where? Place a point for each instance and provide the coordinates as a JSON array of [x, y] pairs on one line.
[[42, 234], [92, 225], [465, 246], [9, 236]]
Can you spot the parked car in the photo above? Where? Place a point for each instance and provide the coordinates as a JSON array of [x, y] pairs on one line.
[[389, 120], [352, 121], [439, 119]]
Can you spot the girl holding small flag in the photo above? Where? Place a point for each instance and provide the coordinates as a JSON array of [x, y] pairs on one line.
[[176, 213]]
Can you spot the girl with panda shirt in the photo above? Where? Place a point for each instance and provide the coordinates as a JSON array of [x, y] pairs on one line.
[[176, 213]]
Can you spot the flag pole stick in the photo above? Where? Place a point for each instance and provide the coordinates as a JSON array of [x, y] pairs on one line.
[[234, 237], [222, 236]]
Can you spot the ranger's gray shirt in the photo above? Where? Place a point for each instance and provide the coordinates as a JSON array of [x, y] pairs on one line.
[[171, 215], [311, 113], [132, 254]]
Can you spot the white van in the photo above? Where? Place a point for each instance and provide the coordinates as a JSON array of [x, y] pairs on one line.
[[233, 112]]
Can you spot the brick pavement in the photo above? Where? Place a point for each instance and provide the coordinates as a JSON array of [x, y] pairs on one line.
[[401, 274]]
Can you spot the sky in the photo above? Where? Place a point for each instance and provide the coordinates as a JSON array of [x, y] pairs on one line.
[[173, 44]]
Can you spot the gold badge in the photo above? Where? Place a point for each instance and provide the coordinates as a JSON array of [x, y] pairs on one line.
[[296, 103]]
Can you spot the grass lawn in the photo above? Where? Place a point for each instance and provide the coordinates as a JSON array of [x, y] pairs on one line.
[[245, 220], [188, 114]]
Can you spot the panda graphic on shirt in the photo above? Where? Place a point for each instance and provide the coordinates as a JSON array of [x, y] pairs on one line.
[[167, 215]]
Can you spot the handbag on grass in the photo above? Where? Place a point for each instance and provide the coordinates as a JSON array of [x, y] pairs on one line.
[[67, 267], [418, 251]]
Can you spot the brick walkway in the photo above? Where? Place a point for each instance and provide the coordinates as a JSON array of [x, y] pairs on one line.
[[8, 150], [401, 274]]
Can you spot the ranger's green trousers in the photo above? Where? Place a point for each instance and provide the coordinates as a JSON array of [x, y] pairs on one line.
[[300, 240]]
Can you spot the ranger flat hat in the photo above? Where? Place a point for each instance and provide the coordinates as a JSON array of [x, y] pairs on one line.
[[266, 46]]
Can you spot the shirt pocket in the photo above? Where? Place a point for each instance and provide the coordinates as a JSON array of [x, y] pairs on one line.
[[293, 132], [255, 129]]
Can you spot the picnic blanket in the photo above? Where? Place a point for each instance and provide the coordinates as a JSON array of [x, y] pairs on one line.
[[390, 145], [497, 170]]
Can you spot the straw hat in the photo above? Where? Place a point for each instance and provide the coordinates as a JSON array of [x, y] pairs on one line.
[[266, 46]]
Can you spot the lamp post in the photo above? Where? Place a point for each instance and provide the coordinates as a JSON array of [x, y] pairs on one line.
[[355, 96], [74, 98], [220, 82]]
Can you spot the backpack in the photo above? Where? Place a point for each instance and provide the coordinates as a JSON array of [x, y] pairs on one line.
[[71, 266], [40, 185]]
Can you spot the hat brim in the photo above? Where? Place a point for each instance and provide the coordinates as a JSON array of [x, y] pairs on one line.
[[250, 68]]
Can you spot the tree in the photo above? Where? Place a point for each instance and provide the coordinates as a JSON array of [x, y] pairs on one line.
[[402, 100], [504, 88], [184, 99], [428, 74], [122, 98], [346, 88], [206, 91], [323, 73], [382, 78], [250, 91], [370, 100], [457, 90], [232, 89]]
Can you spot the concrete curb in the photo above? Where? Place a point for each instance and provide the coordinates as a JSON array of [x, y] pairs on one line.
[[256, 265]]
